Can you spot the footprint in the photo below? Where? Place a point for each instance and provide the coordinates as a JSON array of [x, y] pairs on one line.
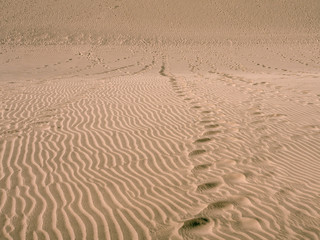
[[197, 225], [221, 205], [256, 113], [205, 121], [250, 224], [211, 133], [239, 200], [196, 152], [207, 186], [42, 127], [235, 177], [212, 126], [196, 107], [258, 122], [202, 167], [41, 122], [225, 163], [202, 140]]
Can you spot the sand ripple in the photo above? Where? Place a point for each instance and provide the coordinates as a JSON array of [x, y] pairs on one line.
[[156, 146]]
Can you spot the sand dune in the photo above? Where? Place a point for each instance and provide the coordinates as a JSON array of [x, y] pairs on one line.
[[159, 119]]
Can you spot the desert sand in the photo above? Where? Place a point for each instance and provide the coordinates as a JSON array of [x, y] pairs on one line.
[[160, 119]]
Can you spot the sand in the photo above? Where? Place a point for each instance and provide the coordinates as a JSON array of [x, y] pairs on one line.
[[160, 120]]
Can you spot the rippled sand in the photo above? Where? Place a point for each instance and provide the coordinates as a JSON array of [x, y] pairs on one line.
[[162, 119], [132, 143]]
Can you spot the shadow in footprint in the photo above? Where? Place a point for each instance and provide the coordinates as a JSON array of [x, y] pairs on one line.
[[212, 126], [194, 223], [202, 167], [196, 107], [196, 152], [202, 140], [207, 186]]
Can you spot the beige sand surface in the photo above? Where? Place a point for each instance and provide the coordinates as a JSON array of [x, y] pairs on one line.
[[159, 119], [118, 21]]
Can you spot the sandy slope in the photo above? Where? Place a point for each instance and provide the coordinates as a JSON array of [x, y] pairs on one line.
[[100, 21], [184, 142]]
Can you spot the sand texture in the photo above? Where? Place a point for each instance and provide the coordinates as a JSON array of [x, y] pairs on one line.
[[140, 21], [111, 143], [160, 119]]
